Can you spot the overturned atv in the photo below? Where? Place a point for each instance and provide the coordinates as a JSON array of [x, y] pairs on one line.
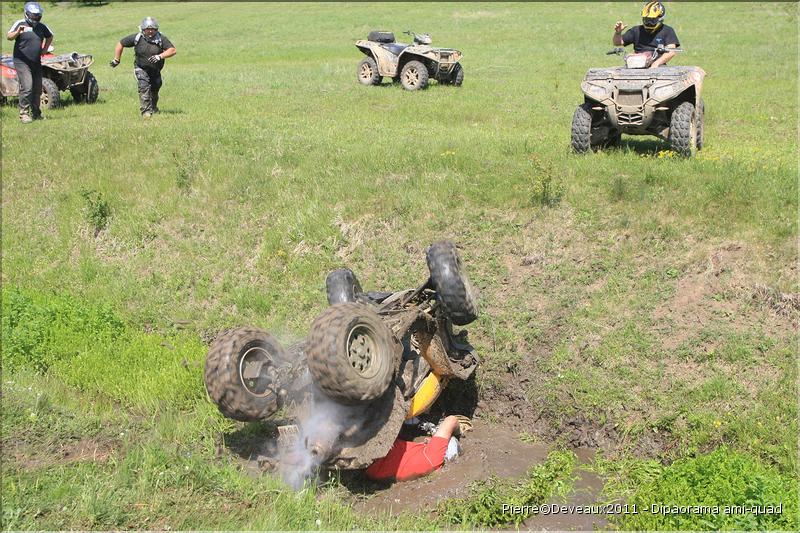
[[638, 100], [59, 73], [371, 360], [412, 65]]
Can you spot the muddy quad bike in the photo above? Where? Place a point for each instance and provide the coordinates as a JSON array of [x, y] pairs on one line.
[[412, 65], [638, 100], [59, 73], [371, 360]]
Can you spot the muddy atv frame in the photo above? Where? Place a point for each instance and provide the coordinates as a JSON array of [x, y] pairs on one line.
[[413, 65], [371, 361], [59, 73], [637, 100]]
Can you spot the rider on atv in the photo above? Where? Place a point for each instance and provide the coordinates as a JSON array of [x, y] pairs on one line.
[[651, 35]]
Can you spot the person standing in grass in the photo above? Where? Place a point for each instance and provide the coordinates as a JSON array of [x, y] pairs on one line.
[[151, 48], [31, 38], [650, 35]]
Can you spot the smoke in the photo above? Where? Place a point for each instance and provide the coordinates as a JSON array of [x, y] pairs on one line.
[[321, 427]]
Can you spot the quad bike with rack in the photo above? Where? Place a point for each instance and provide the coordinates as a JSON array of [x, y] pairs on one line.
[[638, 100], [413, 65], [59, 73], [371, 361]]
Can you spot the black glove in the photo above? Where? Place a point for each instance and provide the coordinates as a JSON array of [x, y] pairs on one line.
[[154, 59], [113, 63]]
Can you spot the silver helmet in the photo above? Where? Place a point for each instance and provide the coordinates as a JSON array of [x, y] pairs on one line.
[[149, 23], [33, 12]]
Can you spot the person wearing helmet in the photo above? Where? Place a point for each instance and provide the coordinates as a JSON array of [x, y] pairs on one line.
[[650, 35], [31, 39], [151, 48]]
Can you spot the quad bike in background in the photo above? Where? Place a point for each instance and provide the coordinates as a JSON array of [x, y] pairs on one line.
[[371, 361], [413, 65], [59, 73], [638, 100]]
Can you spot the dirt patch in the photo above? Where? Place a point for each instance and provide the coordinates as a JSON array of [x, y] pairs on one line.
[[29, 458]]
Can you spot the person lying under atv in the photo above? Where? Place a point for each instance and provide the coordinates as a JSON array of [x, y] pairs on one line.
[[409, 460], [650, 35]]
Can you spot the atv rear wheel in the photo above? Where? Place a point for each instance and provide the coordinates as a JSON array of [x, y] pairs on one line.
[[87, 92], [368, 72], [342, 286], [414, 76], [701, 120], [240, 374], [582, 129], [51, 97], [451, 283], [351, 353], [683, 130]]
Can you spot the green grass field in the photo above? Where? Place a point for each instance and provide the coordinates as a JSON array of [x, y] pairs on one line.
[[649, 299]]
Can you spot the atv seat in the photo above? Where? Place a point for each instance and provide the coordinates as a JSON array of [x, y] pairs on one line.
[[381, 37], [395, 48], [378, 296]]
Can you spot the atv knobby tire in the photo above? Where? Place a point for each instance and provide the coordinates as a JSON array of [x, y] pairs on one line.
[[229, 375], [701, 120], [414, 76], [582, 129], [683, 130], [455, 76], [351, 353], [51, 97], [451, 283], [368, 72], [342, 286], [88, 91]]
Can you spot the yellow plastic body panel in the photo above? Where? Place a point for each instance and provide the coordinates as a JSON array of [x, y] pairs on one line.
[[430, 389]]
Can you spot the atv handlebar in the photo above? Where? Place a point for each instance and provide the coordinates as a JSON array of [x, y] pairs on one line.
[[660, 49]]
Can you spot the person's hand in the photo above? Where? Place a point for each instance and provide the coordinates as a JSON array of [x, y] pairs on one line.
[[154, 59], [113, 63], [464, 424], [619, 26]]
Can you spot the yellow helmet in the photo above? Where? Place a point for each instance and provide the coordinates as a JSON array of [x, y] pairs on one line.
[[653, 15]]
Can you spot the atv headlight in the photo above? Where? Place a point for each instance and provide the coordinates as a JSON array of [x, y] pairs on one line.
[[665, 91], [597, 92]]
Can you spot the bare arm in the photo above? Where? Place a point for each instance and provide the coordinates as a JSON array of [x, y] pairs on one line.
[[169, 52], [118, 51], [12, 35], [616, 39], [664, 58], [46, 44]]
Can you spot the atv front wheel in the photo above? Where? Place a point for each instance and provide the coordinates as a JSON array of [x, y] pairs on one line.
[[414, 76], [88, 91], [683, 130], [240, 374], [342, 286], [351, 353], [51, 97], [455, 77], [368, 72], [582, 129], [701, 120], [451, 283]]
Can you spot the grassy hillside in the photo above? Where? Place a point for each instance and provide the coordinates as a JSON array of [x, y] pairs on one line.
[[631, 301]]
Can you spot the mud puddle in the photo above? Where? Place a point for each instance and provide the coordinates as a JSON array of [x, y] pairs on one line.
[[486, 451]]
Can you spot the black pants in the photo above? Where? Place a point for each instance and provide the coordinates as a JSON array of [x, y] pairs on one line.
[[149, 83], [30, 87]]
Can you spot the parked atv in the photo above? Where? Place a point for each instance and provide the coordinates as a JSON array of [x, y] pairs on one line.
[[59, 73], [638, 100], [412, 65], [371, 360]]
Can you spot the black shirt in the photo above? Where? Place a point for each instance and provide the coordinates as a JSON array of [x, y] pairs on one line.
[[644, 41], [28, 44], [144, 49]]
